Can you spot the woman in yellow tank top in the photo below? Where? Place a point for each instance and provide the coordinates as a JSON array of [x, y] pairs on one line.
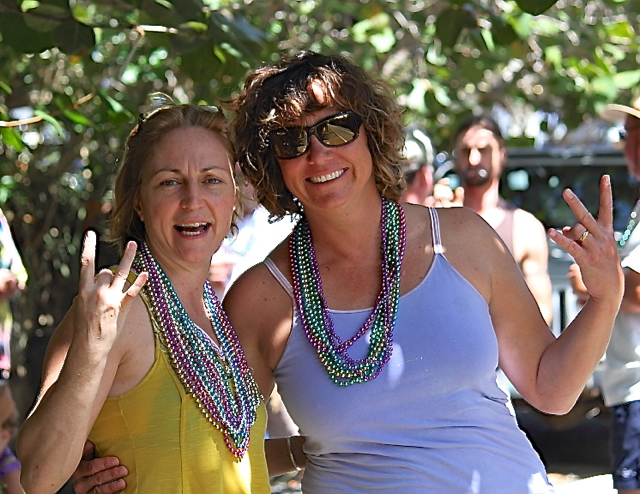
[[150, 369]]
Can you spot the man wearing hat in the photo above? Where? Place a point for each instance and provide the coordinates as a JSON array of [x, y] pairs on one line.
[[620, 383]]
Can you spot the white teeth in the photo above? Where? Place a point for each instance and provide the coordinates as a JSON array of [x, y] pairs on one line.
[[326, 178], [191, 225], [192, 229]]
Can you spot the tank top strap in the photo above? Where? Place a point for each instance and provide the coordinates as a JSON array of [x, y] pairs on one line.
[[435, 231], [277, 274]]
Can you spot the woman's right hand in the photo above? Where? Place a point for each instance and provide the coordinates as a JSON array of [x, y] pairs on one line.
[[98, 475], [102, 299]]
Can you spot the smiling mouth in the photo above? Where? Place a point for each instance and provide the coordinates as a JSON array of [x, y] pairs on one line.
[[325, 178], [193, 229]]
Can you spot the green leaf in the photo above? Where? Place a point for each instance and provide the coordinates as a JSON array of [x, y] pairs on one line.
[[201, 64], [384, 41], [604, 86], [21, 37], [416, 98], [450, 24], [73, 38], [46, 17], [535, 7], [48, 118], [11, 137], [553, 55], [488, 39], [77, 117], [627, 80], [503, 33]]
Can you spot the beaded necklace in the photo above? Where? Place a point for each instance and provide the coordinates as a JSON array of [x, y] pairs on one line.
[[217, 377], [314, 313], [631, 225]]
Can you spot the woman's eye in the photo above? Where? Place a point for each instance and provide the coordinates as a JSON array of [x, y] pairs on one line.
[[170, 181], [213, 180]]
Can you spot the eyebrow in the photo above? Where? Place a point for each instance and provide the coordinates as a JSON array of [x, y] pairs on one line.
[[179, 172]]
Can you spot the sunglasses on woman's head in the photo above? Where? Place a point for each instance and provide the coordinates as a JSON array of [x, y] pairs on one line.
[[334, 131]]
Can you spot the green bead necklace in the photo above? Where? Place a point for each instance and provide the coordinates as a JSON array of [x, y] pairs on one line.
[[312, 306]]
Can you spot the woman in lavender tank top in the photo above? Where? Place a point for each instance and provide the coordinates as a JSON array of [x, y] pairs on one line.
[[383, 323]]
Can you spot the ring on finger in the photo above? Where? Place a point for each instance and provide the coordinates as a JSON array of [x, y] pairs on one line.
[[583, 237]]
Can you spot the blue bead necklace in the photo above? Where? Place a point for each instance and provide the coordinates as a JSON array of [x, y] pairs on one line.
[[218, 378], [312, 306]]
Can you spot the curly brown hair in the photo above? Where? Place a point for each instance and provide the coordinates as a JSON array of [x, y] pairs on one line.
[[281, 92], [125, 224]]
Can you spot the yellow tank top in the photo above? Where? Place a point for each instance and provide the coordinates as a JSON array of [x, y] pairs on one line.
[[159, 433]]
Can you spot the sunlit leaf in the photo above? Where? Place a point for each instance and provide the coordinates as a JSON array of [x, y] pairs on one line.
[[77, 117], [488, 39], [54, 122], [383, 42], [11, 137], [627, 80], [416, 98], [604, 86]]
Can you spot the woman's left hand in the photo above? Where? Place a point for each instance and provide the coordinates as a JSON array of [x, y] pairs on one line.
[[591, 243]]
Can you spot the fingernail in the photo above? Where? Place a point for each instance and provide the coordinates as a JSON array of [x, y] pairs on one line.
[[607, 179], [568, 193]]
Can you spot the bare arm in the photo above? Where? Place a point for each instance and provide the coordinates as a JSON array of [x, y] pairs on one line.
[[551, 373], [51, 440], [278, 458]]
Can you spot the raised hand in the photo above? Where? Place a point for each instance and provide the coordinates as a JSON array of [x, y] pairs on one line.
[[103, 300], [591, 243]]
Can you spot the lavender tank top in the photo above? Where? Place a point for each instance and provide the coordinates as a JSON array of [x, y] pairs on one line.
[[434, 421]]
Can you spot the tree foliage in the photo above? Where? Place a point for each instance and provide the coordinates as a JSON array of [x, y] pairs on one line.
[[74, 75]]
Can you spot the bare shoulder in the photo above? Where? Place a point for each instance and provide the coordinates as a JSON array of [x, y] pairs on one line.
[[525, 219], [461, 222], [257, 287], [473, 247], [261, 312]]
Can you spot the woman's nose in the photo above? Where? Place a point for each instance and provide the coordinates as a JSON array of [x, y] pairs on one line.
[[192, 195]]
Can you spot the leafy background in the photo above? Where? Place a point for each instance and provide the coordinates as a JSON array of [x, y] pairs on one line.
[[75, 74]]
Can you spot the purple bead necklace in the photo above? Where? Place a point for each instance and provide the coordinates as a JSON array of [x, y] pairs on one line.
[[314, 313], [218, 378]]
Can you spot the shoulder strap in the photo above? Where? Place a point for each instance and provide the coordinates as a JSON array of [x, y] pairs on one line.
[[277, 274], [435, 231]]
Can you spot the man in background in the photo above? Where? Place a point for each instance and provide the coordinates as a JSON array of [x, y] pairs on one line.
[[480, 158]]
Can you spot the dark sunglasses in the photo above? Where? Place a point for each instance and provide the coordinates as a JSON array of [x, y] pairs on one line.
[[334, 131]]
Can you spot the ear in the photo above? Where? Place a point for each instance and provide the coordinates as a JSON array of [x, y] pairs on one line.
[[503, 156], [138, 209]]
